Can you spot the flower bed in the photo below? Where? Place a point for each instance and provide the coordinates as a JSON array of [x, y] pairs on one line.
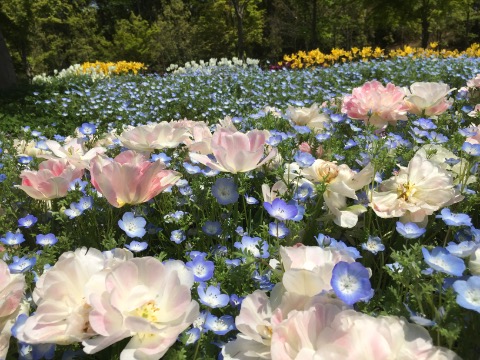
[[344, 228]]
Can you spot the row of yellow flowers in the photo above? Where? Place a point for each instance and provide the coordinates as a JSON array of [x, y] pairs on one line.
[[109, 68], [313, 58]]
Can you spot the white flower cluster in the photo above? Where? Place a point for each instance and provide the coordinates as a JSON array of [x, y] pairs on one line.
[[207, 67], [72, 71]]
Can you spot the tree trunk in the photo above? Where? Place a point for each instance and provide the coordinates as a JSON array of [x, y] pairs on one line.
[[424, 14], [7, 72], [239, 12], [314, 25]]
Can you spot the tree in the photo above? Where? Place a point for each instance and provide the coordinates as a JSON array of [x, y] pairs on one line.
[[7, 72]]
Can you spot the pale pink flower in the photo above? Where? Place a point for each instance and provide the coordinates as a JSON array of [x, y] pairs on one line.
[[200, 139], [475, 82], [235, 151], [62, 310], [308, 116], [375, 104], [146, 138], [12, 288], [51, 181], [385, 337], [278, 189], [304, 147], [428, 98], [143, 299], [415, 192], [309, 334], [342, 183], [130, 178], [308, 269], [74, 151], [28, 148]]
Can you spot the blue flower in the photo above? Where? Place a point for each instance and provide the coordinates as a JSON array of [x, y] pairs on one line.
[[250, 200], [278, 230], [87, 129], [373, 244], [192, 169], [192, 336], [322, 137], [441, 260], [12, 238], [410, 230], [202, 269], [162, 157], [471, 149], [21, 265], [349, 144], [27, 221], [25, 159], [3, 177], [304, 159], [468, 293], [419, 319], [211, 296], [212, 228], [454, 219], [31, 351], [133, 226], [78, 184], [137, 246], [303, 192], [462, 250], [85, 203], [221, 325], [178, 236], [253, 246], [44, 240], [280, 210], [74, 211], [350, 282], [225, 191], [425, 124]]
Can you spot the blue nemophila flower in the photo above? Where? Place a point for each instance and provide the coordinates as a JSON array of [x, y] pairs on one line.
[[191, 169], [468, 293], [87, 129], [350, 282], [441, 260], [208, 172], [419, 319], [437, 138], [137, 246], [454, 219], [192, 336], [12, 238], [236, 300], [211, 296], [212, 228], [323, 137], [471, 149], [280, 210], [44, 240], [202, 269], [304, 159], [162, 157], [225, 191], [425, 124], [220, 325], [410, 230], [278, 230], [85, 203], [302, 129], [232, 262], [74, 211], [452, 161], [341, 246], [3, 177], [22, 265], [25, 159], [303, 192], [36, 133], [27, 221], [373, 244], [78, 184], [133, 226], [463, 249], [349, 144], [29, 351], [178, 236], [250, 200], [253, 246], [42, 145]]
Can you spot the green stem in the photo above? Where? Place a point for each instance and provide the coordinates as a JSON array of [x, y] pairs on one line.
[[311, 229]]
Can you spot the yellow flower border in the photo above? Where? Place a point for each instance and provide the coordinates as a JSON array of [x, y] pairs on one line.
[[111, 68], [316, 58]]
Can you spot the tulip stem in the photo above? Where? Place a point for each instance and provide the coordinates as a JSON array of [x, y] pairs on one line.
[[312, 228]]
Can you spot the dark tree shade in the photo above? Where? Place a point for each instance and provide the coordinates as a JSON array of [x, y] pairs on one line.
[[7, 72]]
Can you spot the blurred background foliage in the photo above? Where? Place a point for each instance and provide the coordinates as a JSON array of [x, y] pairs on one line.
[[44, 35]]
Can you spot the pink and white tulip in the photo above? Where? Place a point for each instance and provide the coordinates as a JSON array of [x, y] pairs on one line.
[[308, 116], [235, 151], [74, 151], [12, 288], [428, 98], [415, 192], [51, 181], [130, 178], [375, 104], [143, 299], [146, 138]]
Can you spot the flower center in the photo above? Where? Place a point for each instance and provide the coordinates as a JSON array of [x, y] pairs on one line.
[[148, 311], [405, 191]]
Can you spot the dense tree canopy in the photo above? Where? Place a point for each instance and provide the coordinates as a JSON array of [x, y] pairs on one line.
[[43, 35]]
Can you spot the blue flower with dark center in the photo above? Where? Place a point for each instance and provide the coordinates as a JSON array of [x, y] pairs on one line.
[[202, 269], [225, 191], [22, 265], [280, 210]]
